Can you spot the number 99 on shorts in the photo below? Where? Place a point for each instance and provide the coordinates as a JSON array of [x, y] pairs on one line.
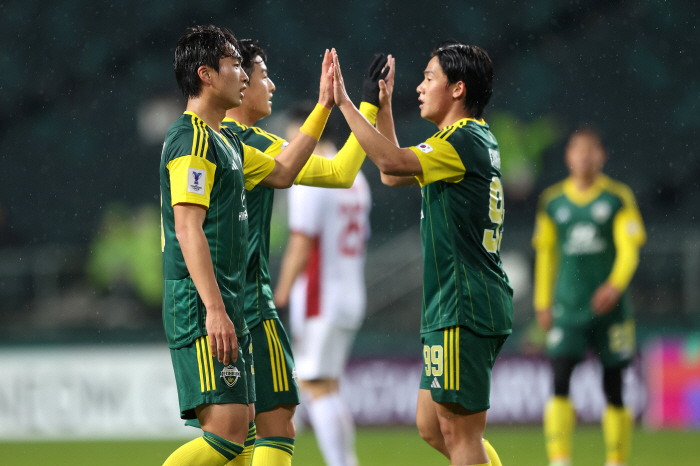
[[433, 357]]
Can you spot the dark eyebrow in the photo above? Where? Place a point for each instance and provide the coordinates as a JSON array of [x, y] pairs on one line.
[[428, 71]]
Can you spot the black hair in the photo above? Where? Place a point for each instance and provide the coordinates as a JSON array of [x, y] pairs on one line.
[[249, 50], [471, 65], [587, 130], [201, 46]]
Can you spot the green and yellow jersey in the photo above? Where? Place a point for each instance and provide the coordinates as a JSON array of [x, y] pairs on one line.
[[339, 172], [210, 169], [461, 229], [583, 239]]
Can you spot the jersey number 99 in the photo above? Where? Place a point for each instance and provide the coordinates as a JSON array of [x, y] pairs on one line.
[[492, 238]]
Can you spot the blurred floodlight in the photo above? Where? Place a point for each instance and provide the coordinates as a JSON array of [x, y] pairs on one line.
[[517, 267], [155, 117]]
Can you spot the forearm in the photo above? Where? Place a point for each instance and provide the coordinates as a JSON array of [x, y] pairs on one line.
[[293, 263], [341, 171], [195, 250], [545, 271], [292, 159], [387, 156]]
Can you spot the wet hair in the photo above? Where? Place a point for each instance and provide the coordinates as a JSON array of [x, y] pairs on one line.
[[249, 50], [201, 46], [471, 65]]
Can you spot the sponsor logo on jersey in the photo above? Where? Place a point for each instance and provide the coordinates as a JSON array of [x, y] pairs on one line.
[[435, 383], [495, 158], [425, 148], [600, 211], [562, 215], [230, 374], [583, 239], [196, 180]]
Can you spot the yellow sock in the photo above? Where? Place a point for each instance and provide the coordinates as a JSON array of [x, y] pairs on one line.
[[493, 456], [273, 451], [559, 421], [247, 454], [617, 432], [209, 450]]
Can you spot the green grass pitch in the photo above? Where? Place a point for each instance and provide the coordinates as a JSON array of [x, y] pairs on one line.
[[517, 446]]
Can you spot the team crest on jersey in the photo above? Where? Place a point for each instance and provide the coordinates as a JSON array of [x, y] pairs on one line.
[[230, 374], [425, 148], [495, 158], [196, 180], [562, 215], [600, 211]]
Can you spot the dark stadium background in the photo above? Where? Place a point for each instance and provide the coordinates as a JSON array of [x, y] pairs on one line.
[[87, 92]]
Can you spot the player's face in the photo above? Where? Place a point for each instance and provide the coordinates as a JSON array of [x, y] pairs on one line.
[[435, 95], [230, 82], [257, 98], [585, 156]]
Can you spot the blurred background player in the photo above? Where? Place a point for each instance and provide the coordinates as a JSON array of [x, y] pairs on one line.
[[204, 173], [322, 279], [276, 389], [467, 298], [587, 238]]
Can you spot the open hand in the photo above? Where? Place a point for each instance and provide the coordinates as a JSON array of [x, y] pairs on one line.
[[386, 85], [605, 299], [222, 337], [325, 94], [339, 93], [376, 70]]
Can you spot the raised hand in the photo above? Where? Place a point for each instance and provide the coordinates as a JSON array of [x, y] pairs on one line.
[[370, 85], [386, 83], [325, 94], [222, 337], [339, 93]]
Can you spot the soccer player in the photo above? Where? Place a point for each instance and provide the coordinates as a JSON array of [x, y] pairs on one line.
[[322, 279], [276, 388], [204, 173], [467, 299], [587, 238]]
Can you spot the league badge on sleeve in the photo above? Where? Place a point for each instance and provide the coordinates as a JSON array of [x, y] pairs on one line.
[[196, 180], [230, 374], [425, 148]]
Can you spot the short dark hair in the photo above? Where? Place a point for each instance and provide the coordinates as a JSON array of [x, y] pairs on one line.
[[201, 46], [250, 49], [471, 65], [587, 130]]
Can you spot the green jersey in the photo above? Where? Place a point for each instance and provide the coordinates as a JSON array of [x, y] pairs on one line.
[[592, 234], [259, 302], [461, 228], [200, 166]]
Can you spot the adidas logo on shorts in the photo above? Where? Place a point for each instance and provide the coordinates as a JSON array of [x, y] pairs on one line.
[[435, 384]]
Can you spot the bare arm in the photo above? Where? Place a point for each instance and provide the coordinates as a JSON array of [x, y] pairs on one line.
[[293, 264], [385, 123], [387, 156], [292, 159], [195, 249]]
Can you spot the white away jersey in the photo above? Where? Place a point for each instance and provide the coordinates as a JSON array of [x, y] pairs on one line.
[[333, 284]]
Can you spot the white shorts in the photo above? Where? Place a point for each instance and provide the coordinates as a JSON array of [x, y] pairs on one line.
[[321, 349]]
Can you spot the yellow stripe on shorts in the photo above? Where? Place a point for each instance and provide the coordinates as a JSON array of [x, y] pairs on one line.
[[457, 351], [271, 348], [281, 353], [206, 368], [211, 366], [446, 373], [199, 363]]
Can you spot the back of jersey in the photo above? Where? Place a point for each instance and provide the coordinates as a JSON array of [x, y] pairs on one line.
[[333, 284]]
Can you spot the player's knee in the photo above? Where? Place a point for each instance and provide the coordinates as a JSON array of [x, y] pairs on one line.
[[432, 437], [562, 369]]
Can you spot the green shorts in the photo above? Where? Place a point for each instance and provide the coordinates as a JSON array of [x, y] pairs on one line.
[[458, 365], [611, 336], [275, 375], [202, 379]]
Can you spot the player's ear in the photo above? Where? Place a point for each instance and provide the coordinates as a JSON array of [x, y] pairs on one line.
[[204, 74], [459, 90]]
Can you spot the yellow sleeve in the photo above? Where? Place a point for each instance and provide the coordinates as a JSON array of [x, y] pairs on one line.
[[340, 172], [191, 180], [256, 166], [629, 236], [439, 161], [544, 241]]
